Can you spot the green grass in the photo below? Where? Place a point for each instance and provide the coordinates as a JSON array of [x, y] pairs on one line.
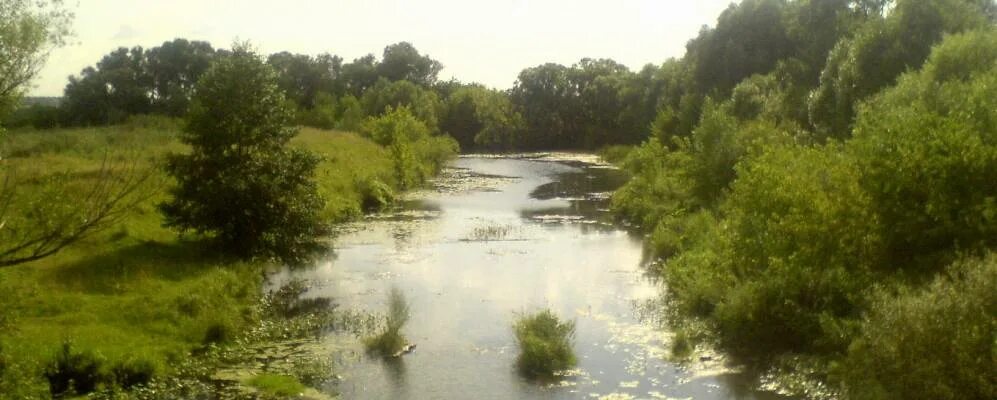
[[137, 290], [278, 385], [544, 344], [390, 340]]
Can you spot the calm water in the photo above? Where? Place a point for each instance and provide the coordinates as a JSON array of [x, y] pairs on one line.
[[499, 236]]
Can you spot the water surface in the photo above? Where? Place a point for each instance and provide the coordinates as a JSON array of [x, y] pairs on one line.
[[499, 236]]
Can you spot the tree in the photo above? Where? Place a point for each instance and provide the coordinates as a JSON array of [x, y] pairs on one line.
[[882, 50], [120, 85], [423, 103], [241, 182], [29, 30], [175, 67], [476, 116], [401, 61]]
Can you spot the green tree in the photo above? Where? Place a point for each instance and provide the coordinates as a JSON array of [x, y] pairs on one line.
[[401, 61], [350, 114], [416, 152], [29, 30], [241, 182], [118, 87], [883, 49], [175, 68], [423, 103]]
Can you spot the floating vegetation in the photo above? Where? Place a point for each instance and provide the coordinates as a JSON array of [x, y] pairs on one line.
[[490, 234], [545, 344], [390, 342]]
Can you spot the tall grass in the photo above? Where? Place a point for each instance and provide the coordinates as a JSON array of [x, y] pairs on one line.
[[545, 344], [136, 293], [391, 341]]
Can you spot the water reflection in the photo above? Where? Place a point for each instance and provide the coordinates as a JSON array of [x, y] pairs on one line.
[[499, 236]]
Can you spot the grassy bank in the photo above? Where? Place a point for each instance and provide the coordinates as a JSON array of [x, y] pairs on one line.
[[136, 293]]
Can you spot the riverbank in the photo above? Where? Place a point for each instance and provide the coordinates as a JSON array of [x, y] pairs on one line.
[[137, 296]]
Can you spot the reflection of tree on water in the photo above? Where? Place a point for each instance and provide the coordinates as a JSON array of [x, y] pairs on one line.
[[394, 368]]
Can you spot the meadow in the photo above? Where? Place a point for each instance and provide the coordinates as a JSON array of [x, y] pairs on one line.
[[137, 293]]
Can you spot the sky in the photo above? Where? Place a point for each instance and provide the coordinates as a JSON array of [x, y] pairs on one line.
[[484, 41]]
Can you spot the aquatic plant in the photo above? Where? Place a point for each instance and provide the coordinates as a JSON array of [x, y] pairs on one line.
[[544, 344], [390, 341], [682, 345], [279, 385]]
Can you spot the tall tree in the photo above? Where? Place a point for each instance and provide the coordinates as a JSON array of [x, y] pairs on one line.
[[175, 67], [401, 61], [29, 30], [241, 182]]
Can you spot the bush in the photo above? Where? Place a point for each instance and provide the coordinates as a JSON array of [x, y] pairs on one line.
[[133, 372], [72, 373], [219, 332], [417, 154], [241, 182], [934, 343], [544, 344], [390, 341]]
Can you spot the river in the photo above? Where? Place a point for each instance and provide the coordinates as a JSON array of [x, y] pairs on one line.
[[498, 236]]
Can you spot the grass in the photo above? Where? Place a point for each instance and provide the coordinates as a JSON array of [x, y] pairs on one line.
[[545, 344], [277, 385], [391, 341], [137, 290]]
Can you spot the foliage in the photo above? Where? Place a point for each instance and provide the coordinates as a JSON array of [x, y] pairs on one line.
[[935, 342], [927, 149], [29, 30], [791, 249], [241, 182], [417, 154], [390, 340], [482, 118], [72, 373], [135, 292], [545, 344], [134, 81], [386, 95], [883, 49]]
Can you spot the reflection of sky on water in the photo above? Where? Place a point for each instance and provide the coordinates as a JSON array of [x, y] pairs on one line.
[[503, 236]]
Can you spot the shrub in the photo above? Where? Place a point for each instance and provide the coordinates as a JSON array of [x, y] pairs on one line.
[[390, 341], [74, 372], [682, 346], [133, 372], [416, 153], [241, 182], [932, 343], [219, 332], [544, 344]]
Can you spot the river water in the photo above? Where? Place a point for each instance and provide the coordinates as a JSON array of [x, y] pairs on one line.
[[498, 236]]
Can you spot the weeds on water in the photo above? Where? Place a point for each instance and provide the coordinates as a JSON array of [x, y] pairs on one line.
[[545, 344], [390, 340]]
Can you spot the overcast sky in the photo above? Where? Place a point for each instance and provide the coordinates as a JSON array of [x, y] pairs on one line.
[[486, 41]]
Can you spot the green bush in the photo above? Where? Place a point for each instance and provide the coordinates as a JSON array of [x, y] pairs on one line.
[[241, 182], [938, 343], [390, 341], [133, 372], [545, 344], [928, 152], [72, 372], [417, 154]]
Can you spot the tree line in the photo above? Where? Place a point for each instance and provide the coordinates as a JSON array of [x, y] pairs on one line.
[[818, 188]]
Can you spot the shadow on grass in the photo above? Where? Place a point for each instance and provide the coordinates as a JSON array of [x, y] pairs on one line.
[[110, 271]]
